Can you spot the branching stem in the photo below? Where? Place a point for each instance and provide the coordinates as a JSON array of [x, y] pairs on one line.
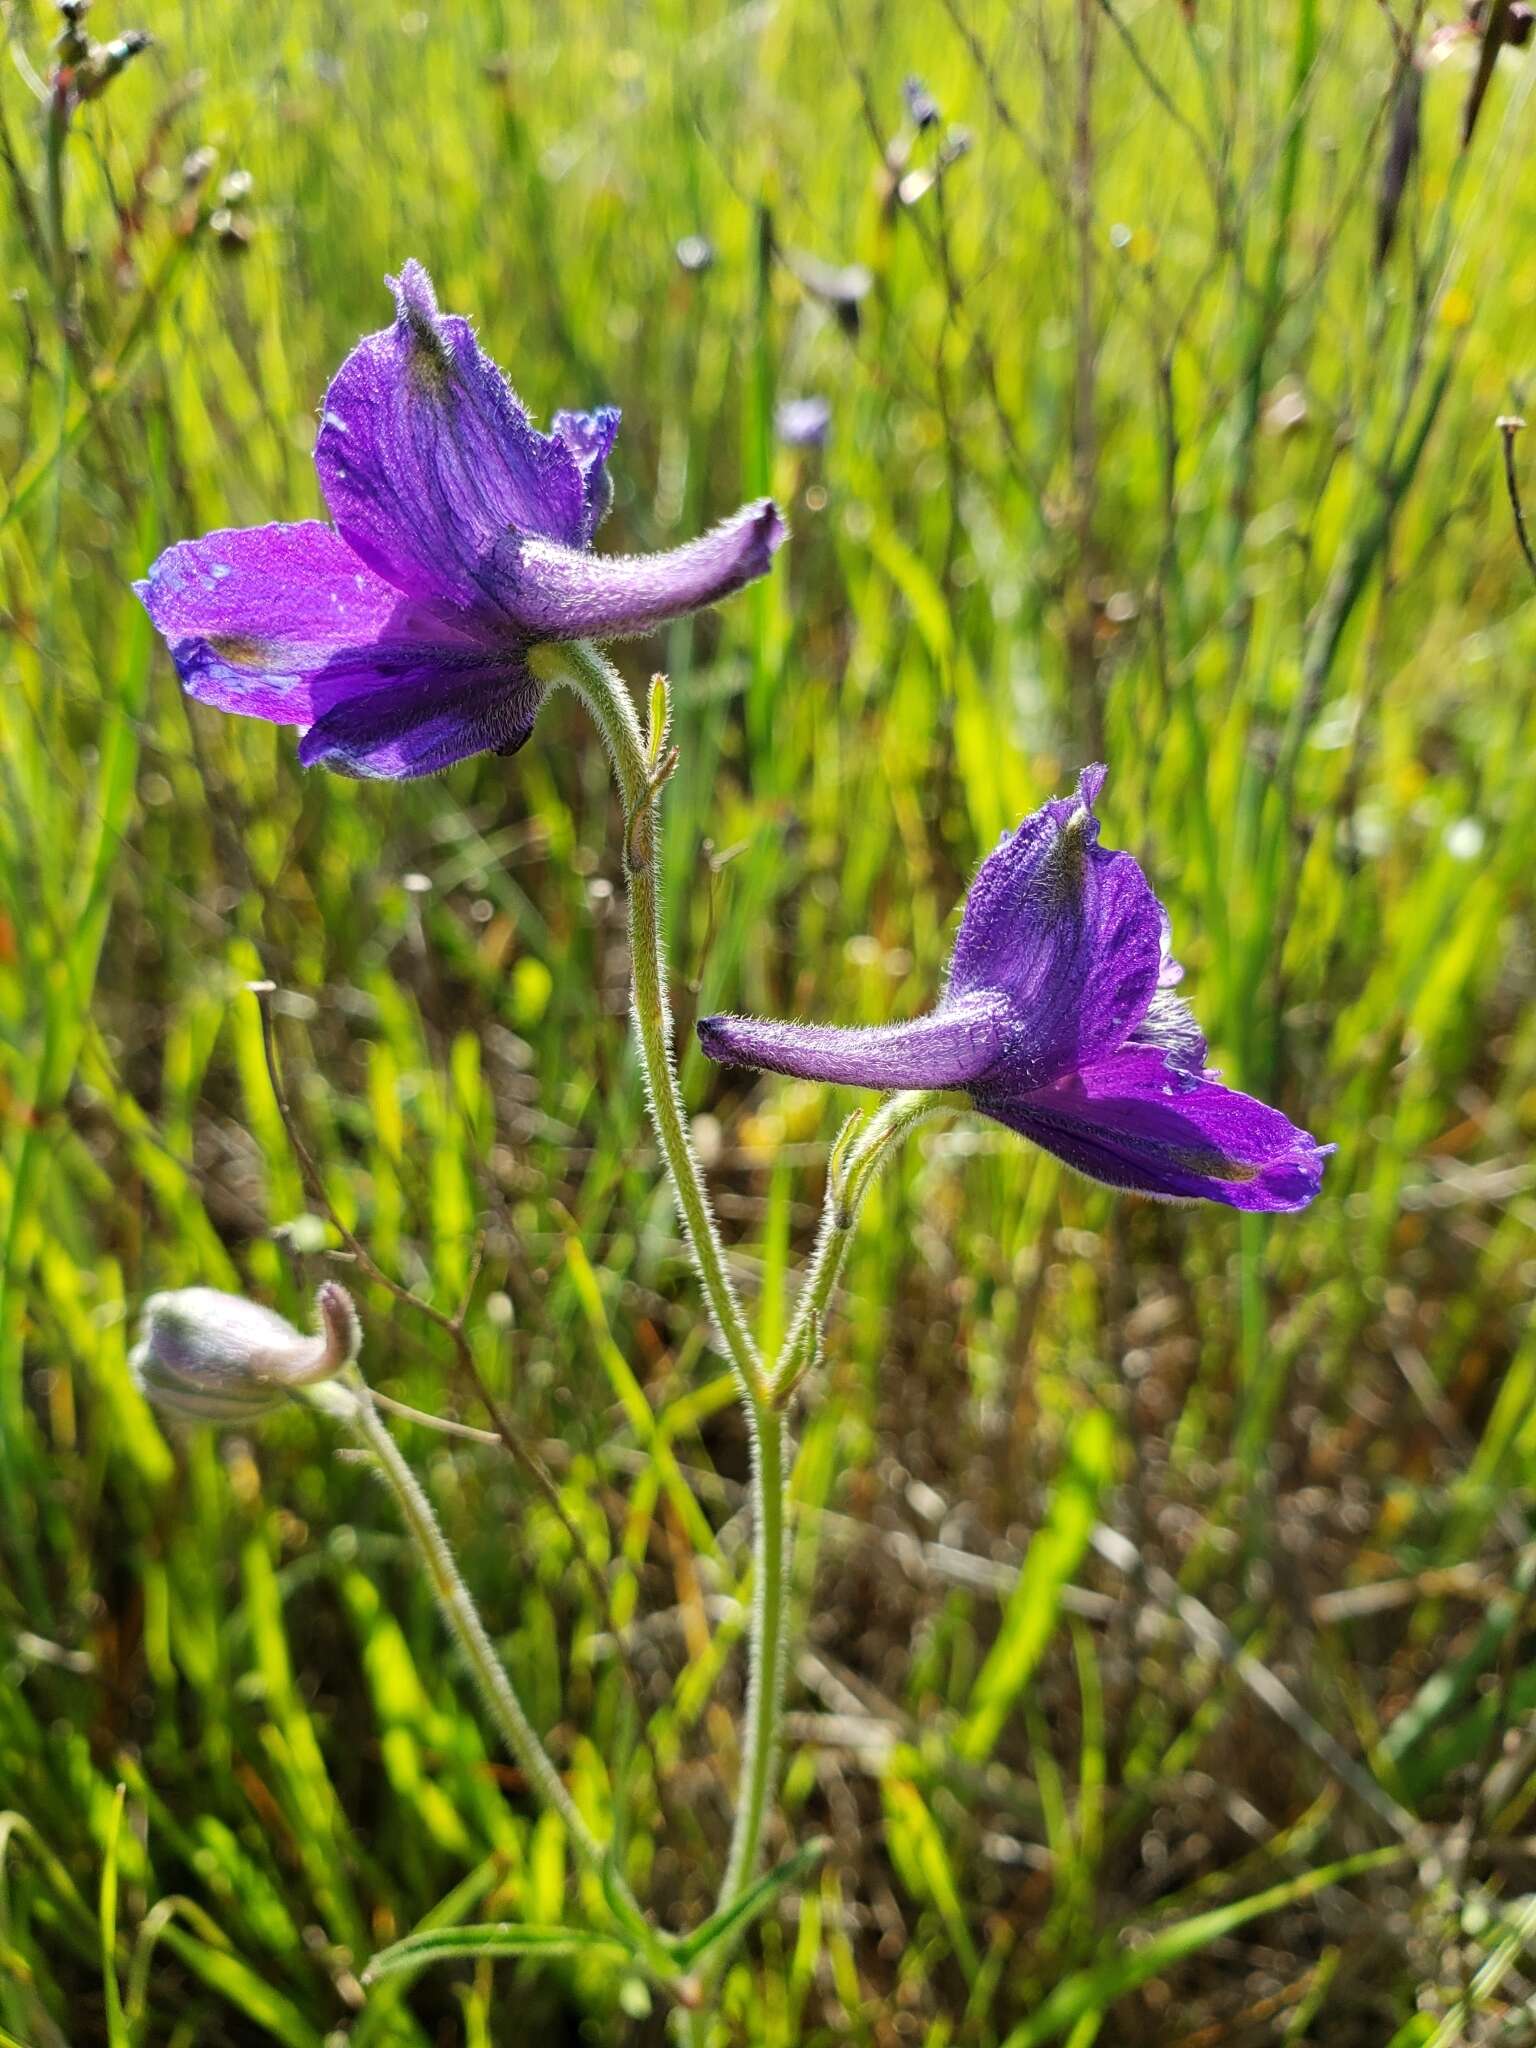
[[642, 764]]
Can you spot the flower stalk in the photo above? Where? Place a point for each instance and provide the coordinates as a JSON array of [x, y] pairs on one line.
[[857, 1159], [642, 764], [352, 1404], [463, 1617]]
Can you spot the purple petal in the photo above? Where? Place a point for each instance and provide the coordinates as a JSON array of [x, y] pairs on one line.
[[426, 457], [949, 1047], [273, 621], [590, 437], [1070, 934], [564, 593], [426, 717], [1136, 1121]]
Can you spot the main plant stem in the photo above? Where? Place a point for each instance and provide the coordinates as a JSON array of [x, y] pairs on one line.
[[641, 766], [582, 669], [768, 1650], [850, 1181]]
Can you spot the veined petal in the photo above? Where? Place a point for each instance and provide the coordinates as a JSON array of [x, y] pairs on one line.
[[273, 620], [426, 457], [1069, 933], [1169, 1022], [426, 717], [945, 1049], [564, 593], [1135, 1121], [1169, 1025], [590, 437]]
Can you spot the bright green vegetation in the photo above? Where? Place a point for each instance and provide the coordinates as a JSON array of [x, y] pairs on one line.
[[1170, 1672]]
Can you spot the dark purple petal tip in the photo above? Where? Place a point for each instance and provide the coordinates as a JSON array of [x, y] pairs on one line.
[[590, 437], [415, 297]]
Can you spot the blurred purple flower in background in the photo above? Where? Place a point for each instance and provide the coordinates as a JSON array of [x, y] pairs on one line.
[[802, 422], [397, 637], [1059, 1020], [922, 107]]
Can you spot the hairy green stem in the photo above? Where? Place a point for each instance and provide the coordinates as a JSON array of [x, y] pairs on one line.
[[639, 770], [769, 1648], [582, 669], [636, 767], [852, 1176], [463, 1617], [853, 1173], [641, 764]]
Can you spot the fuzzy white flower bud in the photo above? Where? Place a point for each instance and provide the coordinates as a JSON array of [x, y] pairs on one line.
[[212, 1357]]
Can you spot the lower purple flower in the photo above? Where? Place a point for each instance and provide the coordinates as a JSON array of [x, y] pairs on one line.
[[397, 639], [1060, 1021]]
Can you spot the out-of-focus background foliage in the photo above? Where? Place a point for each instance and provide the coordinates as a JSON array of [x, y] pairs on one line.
[[1169, 1673]]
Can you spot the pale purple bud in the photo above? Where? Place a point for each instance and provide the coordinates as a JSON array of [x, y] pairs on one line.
[[213, 1357]]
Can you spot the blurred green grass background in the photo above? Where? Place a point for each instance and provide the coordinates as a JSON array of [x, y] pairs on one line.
[[1168, 1677]]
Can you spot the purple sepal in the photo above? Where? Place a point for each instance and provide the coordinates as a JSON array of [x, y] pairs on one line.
[[426, 456], [1072, 936], [1136, 1121], [425, 719]]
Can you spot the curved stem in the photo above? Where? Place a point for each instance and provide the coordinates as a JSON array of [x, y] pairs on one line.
[[352, 1403], [463, 1618], [849, 1181], [582, 669]]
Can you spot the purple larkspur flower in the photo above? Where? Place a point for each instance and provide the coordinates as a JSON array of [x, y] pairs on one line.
[[803, 422], [1059, 1019], [397, 637]]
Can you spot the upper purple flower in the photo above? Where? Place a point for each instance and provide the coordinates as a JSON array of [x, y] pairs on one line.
[[398, 636], [1059, 1019]]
